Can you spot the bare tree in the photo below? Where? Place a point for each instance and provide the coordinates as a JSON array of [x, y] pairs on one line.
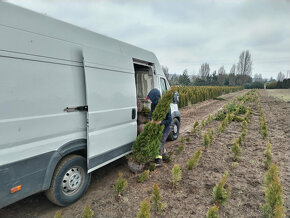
[[232, 76], [166, 73], [245, 66], [258, 77], [204, 71], [280, 77], [221, 78]]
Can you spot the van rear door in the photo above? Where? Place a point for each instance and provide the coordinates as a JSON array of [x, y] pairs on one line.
[[112, 106]]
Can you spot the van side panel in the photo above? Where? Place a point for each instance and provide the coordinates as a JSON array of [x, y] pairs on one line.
[[34, 91], [111, 97]]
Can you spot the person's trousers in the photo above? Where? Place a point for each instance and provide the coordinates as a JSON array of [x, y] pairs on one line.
[[164, 138]]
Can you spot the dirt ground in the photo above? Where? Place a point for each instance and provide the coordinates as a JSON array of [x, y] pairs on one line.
[[193, 196]]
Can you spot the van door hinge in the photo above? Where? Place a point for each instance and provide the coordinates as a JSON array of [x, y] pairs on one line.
[[74, 109]]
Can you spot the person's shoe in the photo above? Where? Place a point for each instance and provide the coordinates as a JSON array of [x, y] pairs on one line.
[[158, 162]]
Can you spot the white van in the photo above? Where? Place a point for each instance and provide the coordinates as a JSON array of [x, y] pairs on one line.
[[68, 104]]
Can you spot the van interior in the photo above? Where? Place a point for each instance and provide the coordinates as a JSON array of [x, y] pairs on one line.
[[144, 83]]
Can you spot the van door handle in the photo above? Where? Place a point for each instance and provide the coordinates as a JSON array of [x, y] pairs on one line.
[[78, 108], [133, 114]]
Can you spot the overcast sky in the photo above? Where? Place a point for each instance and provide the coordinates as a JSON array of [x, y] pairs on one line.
[[184, 34]]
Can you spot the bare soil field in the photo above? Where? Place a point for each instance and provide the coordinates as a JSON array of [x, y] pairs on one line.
[[193, 196], [283, 94]]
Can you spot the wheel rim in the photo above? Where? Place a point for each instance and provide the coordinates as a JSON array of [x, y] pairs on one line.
[[175, 129], [72, 180]]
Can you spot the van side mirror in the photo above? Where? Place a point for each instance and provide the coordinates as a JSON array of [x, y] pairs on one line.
[[175, 98]]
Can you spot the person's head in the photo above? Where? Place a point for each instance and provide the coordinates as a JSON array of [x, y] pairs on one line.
[[154, 96]]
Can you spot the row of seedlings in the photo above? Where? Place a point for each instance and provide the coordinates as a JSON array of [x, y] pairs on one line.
[[274, 203]]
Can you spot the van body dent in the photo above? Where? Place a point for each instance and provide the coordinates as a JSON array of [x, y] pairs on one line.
[[68, 104]]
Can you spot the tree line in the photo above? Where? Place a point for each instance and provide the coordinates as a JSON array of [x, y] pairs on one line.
[[239, 75]]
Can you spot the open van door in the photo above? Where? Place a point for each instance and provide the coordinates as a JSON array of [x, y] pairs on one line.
[[112, 106]]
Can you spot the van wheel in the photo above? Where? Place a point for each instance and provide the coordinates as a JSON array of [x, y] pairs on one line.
[[70, 181], [174, 132]]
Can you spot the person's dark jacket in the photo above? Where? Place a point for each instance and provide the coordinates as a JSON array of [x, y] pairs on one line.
[[154, 96]]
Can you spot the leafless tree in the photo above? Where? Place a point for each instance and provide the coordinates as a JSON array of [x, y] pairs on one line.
[[258, 77], [232, 76], [166, 73], [204, 71], [280, 76], [221, 78], [244, 67]]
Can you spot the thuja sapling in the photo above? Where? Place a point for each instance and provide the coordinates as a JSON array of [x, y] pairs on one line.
[[220, 192], [144, 211], [144, 176], [156, 199], [87, 212], [213, 212], [176, 175], [268, 154], [147, 144], [193, 161]]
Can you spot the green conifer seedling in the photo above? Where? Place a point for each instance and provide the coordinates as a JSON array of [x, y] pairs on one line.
[[144, 211], [87, 212], [176, 175], [193, 161], [236, 149], [220, 193], [156, 199], [268, 154], [271, 174], [206, 140], [58, 214], [213, 212], [121, 184], [195, 128], [144, 176]]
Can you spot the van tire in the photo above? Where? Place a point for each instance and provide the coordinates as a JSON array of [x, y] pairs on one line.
[[70, 181], [174, 132]]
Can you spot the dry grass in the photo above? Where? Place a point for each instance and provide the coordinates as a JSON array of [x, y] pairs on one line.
[[282, 94]]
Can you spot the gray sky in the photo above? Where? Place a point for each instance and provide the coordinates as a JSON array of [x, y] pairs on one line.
[[184, 34]]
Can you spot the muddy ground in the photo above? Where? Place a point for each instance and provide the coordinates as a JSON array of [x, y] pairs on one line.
[[193, 196]]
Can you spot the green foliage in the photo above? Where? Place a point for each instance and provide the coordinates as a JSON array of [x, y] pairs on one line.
[[268, 154], [210, 134], [156, 199], [236, 149], [221, 114], [184, 139], [220, 192], [88, 212], [206, 140], [271, 174], [147, 144], [243, 135], [176, 175], [144, 211], [194, 94], [273, 206], [121, 184], [240, 109], [58, 214], [195, 128], [238, 118], [193, 161], [144, 176], [152, 167], [180, 149], [231, 108], [163, 105], [213, 212]]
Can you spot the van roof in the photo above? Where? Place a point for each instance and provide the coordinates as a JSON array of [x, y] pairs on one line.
[[20, 18]]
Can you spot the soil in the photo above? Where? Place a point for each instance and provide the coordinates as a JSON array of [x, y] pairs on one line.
[[193, 196]]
